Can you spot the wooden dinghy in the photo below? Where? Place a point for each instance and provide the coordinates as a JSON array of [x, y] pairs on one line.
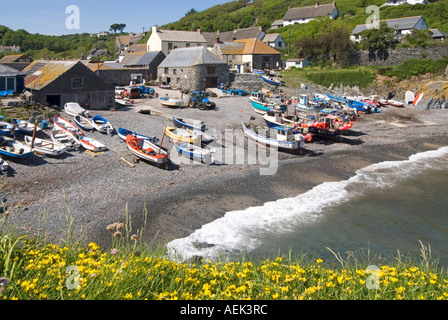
[[7, 129], [43, 146], [170, 102], [194, 152], [102, 124], [84, 123], [67, 126], [182, 135], [14, 148], [64, 138], [24, 126], [146, 150], [91, 144]]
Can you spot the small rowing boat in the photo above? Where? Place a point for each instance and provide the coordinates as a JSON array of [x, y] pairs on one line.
[[197, 125], [91, 144], [13, 148], [182, 135], [64, 138], [123, 133], [24, 126], [73, 109], [102, 125], [67, 126], [43, 146], [146, 150], [7, 129], [84, 123], [194, 152], [170, 102]]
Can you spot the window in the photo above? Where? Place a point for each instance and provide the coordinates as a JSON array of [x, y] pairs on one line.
[[77, 83], [187, 45], [166, 70], [174, 71]]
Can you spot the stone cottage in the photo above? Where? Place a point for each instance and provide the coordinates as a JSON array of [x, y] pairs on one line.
[[193, 68], [59, 82], [11, 80]]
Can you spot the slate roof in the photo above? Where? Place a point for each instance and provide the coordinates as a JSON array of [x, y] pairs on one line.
[[229, 36], [436, 33], [315, 11], [6, 71], [270, 37], [140, 58], [398, 24], [181, 36], [12, 58], [189, 57]]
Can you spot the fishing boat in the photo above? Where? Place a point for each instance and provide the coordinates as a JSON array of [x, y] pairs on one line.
[[73, 109], [102, 125], [261, 105], [182, 135], [44, 146], [276, 81], [7, 129], [194, 152], [64, 138], [146, 150], [91, 144], [122, 103], [14, 149], [197, 125], [123, 133], [67, 126], [171, 102], [165, 86], [329, 125], [24, 126], [395, 103], [84, 123], [282, 138]]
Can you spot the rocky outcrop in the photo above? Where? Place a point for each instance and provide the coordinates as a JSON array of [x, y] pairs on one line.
[[435, 96]]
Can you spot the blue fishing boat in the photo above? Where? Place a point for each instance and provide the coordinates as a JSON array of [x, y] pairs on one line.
[[123, 133], [194, 152], [261, 106], [276, 81], [197, 125], [24, 126], [362, 106], [14, 149], [102, 125], [7, 129]]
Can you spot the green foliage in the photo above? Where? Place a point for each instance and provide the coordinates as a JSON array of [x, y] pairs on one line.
[[378, 39], [415, 67]]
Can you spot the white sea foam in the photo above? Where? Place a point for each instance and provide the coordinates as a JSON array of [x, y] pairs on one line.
[[244, 230]]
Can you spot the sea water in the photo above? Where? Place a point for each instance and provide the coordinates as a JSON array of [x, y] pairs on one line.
[[387, 208]]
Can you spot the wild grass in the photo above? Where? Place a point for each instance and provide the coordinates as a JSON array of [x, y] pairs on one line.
[[33, 268]]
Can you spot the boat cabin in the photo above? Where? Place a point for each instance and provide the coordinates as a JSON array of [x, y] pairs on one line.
[[258, 96], [284, 133]]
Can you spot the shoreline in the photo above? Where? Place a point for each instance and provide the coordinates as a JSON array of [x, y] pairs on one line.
[[98, 190]]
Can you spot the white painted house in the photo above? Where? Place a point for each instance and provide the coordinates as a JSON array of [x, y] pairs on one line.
[[297, 62], [398, 2], [402, 26], [306, 14], [274, 40], [168, 40]]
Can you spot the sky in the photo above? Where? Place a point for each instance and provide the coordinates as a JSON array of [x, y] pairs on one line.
[[60, 17]]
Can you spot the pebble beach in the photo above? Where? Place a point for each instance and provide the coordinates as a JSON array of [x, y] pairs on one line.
[[97, 190]]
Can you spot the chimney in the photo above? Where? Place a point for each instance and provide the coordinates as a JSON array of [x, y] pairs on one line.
[[217, 37], [200, 31], [155, 29], [317, 4]]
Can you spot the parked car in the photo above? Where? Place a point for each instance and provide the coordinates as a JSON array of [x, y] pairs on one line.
[[131, 93]]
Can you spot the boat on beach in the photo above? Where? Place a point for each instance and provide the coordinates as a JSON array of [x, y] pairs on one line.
[[123, 133], [194, 152], [4, 165], [273, 80], [91, 144], [44, 146], [24, 126], [67, 126], [7, 129], [182, 135], [73, 109], [197, 125], [171, 102], [146, 150], [14, 149], [260, 105], [84, 123], [102, 124], [64, 138], [282, 137]]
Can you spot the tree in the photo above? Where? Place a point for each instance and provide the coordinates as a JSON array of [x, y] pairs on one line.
[[379, 40], [117, 27], [191, 11]]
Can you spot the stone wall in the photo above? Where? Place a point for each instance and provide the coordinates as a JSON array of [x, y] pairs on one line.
[[246, 81], [398, 55]]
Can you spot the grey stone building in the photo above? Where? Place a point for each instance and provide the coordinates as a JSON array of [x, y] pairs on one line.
[[193, 69], [59, 82]]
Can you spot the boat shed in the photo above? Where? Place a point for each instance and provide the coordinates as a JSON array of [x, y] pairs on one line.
[[58, 82], [194, 68]]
